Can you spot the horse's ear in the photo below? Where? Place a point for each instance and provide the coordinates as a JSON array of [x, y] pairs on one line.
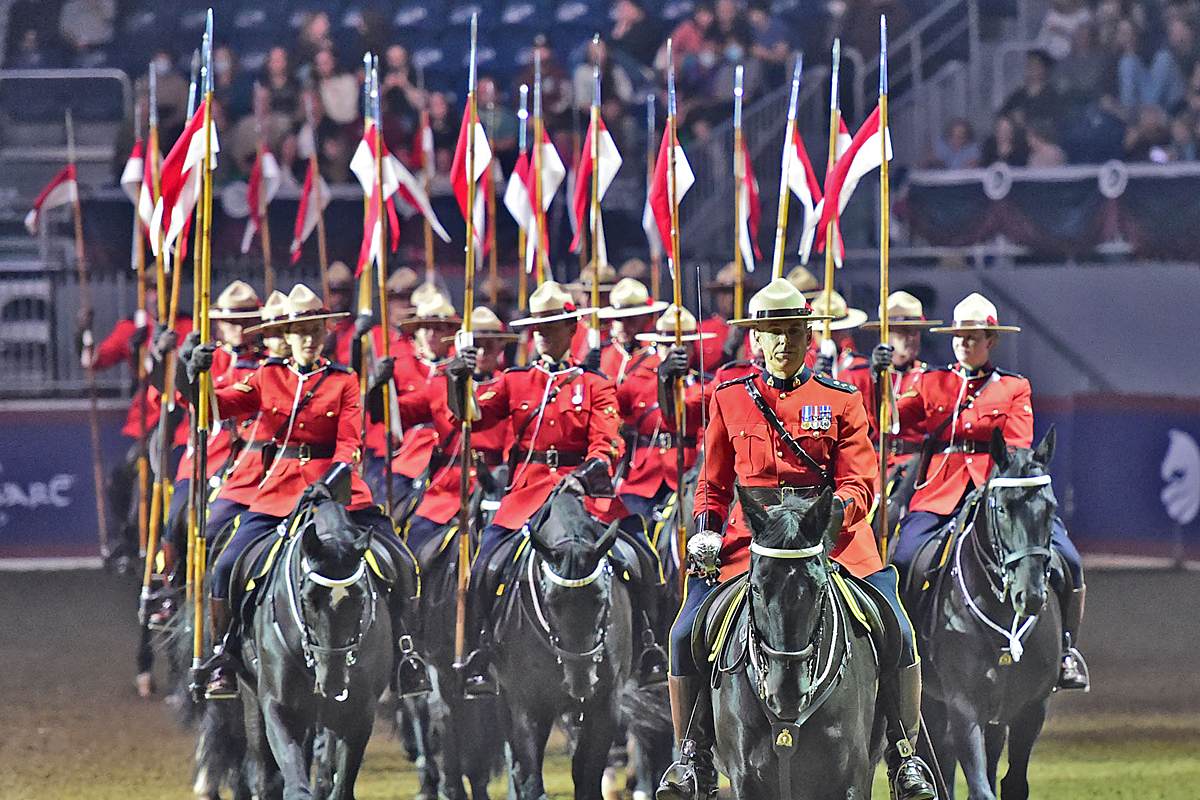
[[820, 515], [363, 543], [608, 539], [538, 541], [1045, 449], [310, 542], [998, 450], [756, 516]]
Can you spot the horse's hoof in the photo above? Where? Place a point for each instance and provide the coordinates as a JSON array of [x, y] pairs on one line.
[[145, 684]]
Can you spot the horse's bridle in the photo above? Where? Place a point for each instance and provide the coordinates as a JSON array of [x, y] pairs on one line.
[[996, 564], [308, 649], [603, 569]]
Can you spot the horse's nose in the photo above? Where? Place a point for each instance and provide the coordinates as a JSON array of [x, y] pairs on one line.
[[1028, 602]]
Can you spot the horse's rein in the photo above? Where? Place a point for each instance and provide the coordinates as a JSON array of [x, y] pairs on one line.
[[595, 654]]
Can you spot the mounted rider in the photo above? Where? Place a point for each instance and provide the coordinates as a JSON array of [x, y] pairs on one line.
[[630, 312], [441, 502], [786, 431], [906, 320], [839, 357], [647, 402], [565, 428], [311, 407], [955, 409]]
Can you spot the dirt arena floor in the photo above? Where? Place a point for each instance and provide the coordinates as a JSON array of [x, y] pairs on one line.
[[72, 726]]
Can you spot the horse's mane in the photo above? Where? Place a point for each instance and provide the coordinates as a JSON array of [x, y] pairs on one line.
[[786, 521]]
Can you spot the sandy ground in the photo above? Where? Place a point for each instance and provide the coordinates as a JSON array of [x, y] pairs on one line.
[[72, 725]]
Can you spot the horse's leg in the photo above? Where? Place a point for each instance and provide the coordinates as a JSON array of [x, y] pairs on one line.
[[419, 727], [528, 731], [993, 744], [477, 743], [1023, 732], [348, 749], [591, 753], [967, 736], [287, 740]]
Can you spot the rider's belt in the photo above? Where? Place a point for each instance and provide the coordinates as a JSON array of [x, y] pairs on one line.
[[551, 458], [774, 495], [664, 439], [903, 447], [490, 458], [303, 451], [969, 447]]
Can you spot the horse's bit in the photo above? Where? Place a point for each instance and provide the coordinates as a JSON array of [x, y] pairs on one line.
[[595, 654]]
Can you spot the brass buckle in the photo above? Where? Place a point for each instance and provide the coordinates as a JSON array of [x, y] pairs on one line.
[[552, 458], [304, 452]]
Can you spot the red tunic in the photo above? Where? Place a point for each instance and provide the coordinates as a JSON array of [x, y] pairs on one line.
[[420, 393], [616, 362], [741, 445], [115, 350], [711, 348], [441, 500], [226, 369], [904, 383], [331, 417], [581, 418], [400, 346], [652, 462], [1003, 403], [737, 369]]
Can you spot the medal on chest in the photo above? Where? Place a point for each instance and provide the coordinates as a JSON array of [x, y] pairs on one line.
[[816, 418]]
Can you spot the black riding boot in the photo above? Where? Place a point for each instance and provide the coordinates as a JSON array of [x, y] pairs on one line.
[[909, 778], [221, 668], [1074, 671], [479, 678], [693, 776]]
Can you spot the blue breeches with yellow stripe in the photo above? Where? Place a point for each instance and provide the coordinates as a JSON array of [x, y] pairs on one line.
[[698, 589]]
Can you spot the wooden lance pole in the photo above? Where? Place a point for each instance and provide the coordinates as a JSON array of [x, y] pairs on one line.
[[597, 265], [522, 236], [788, 154], [831, 228], [677, 279], [655, 254], [264, 230], [885, 380], [539, 213], [382, 273], [739, 178]]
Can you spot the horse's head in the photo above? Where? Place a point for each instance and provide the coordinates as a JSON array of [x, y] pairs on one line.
[[573, 579], [334, 600], [1017, 515], [789, 573]]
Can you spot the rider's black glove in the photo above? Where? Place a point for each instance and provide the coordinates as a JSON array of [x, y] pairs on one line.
[[363, 324], [591, 479], [592, 360], [674, 364], [881, 357]]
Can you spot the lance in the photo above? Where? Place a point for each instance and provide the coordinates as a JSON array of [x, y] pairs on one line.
[[576, 153], [522, 242], [464, 488], [383, 320], [490, 198], [264, 229], [365, 303], [427, 168], [677, 279], [885, 380], [322, 252], [739, 177], [89, 349], [655, 257], [139, 265], [202, 419], [594, 131], [176, 277], [543, 258], [788, 155], [830, 229]]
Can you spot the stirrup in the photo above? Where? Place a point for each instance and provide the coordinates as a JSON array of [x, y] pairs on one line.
[[687, 778], [412, 675], [911, 779], [222, 683], [1073, 672], [161, 617], [652, 663], [478, 676]]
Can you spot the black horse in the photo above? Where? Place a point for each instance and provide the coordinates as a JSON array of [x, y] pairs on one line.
[[318, 653], [794, 697], [990, 642], [563, 645]]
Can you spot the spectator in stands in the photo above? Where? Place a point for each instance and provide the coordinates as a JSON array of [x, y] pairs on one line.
[[1036, 98], [1007, 144], [957, 148], [402, 98], [86, 26], [1086, 73], [1093, 133], [556, 85], [172, 96], [314, 36], [339, 90], [1057, 35], [616, 85], [688, 37], [443, 122], [499, 121], [731, 31], [1043, 152], [29, 52], [1183, 137], [373, 34], [1143, 79], [334, 144], [233, 88], [636, 33], [771, 44], [1148, 138], [25, 15], [283, 91]]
